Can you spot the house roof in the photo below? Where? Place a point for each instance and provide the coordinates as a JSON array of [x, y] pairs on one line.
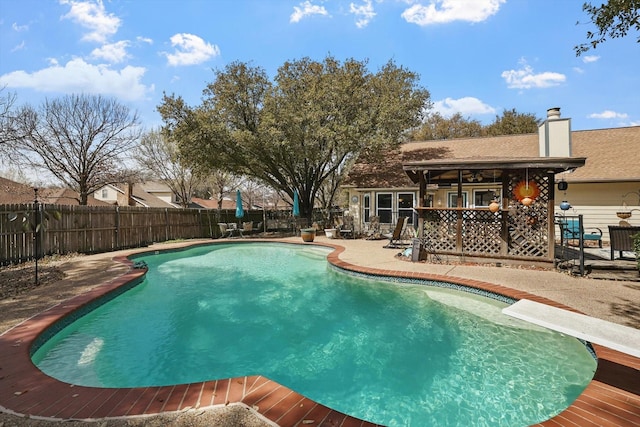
[[14, 192], [213, 204], [611, 155]]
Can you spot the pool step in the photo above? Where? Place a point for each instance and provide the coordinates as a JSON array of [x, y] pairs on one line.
[[618, 337]]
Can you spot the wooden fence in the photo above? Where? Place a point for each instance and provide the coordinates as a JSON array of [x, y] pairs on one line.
[[63, 229]]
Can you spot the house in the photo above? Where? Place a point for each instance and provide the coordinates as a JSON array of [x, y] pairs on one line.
[[227, 203], [12, 192], [610, 175], [149, 194]]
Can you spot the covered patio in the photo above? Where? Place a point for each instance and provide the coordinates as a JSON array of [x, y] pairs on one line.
[[518, 224]]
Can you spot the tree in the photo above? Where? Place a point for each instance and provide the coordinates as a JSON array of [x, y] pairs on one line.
[[512, 123], [7, 119], [293, 133], [220, 183], [613, 19], [437, 127], [80, 139], [159, 155]]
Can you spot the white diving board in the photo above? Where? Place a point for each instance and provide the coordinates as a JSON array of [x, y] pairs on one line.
[[617, 337]]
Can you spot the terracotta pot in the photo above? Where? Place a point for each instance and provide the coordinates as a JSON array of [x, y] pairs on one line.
[[308, 234]]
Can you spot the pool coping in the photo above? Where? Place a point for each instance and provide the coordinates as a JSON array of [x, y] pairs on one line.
[[611, 398]]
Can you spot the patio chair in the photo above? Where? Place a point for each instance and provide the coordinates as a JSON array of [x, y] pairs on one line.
[[373, 233], [395, 238], [570, 230], [224, 230], [247, 227], [346, 230], [621, 240]]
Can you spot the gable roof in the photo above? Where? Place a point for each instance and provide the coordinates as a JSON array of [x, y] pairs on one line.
[[612, 155], [12, 192]]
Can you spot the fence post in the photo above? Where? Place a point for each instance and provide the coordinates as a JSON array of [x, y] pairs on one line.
[[166, 221], [36, 230], [117, 228]]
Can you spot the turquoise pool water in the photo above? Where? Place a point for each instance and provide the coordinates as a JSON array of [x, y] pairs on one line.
[[394, 354]]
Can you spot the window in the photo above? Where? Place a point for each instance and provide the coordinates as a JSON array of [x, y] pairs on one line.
[[105, 193], [405, 204], [384, 207], [452, 199], [366, 203], [482, 198]]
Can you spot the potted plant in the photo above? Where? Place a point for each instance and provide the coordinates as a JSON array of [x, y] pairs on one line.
[[308, 234], [636, 249]]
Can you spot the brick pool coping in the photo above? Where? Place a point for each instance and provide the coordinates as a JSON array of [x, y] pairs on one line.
[[611, 398]]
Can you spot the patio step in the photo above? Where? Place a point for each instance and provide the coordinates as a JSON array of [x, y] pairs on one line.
[[618, 337]]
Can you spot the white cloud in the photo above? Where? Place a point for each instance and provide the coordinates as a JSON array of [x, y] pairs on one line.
[[92, 15], [19, 46], [306, 9], [465, 106], [608, 114], [190, 50], [363, 12], [443, 11], [578, 70], [19, 28], [525, 78], [144, 40], [590, 58], [113, 52], [77, 76]]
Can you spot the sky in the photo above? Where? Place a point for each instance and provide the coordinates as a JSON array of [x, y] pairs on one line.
[[475, 57]]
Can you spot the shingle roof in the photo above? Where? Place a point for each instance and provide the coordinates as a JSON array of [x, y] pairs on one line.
[[612, 155], [14, 192]]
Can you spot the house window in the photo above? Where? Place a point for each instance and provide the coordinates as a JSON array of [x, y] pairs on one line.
[[482, 198], [366, 203], [405, 204], [384, 207], [452, 199], [105, 193]]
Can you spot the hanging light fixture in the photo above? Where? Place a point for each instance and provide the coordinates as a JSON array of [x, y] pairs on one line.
[[563, 185], [527, 201], [494, 206]]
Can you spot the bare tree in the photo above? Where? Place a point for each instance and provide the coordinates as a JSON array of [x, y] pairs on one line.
[[222, 184], [158, 155], [7, 119], [80, 139]]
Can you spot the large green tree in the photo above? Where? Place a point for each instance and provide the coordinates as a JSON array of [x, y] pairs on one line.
[[305, 126], [511, 122], [435, 127], [613, 19]]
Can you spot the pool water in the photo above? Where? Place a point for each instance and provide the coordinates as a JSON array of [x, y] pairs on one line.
[[393, 354]]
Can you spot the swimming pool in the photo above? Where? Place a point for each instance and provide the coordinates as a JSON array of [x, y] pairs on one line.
[[395, 354]]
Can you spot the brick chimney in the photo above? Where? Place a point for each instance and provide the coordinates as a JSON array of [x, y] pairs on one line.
[[554, 135]]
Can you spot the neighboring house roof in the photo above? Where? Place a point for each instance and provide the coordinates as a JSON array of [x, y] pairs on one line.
[[212, 204], [65, 196], [612, 155], [148, 200], [15, 192]]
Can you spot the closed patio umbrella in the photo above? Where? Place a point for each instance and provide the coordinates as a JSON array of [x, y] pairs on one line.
[[239, 209], [296, 204]]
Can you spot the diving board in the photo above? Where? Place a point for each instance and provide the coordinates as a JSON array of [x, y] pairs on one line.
[[617, 337]]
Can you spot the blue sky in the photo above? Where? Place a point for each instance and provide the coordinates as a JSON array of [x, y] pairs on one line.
[[476, 57]]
